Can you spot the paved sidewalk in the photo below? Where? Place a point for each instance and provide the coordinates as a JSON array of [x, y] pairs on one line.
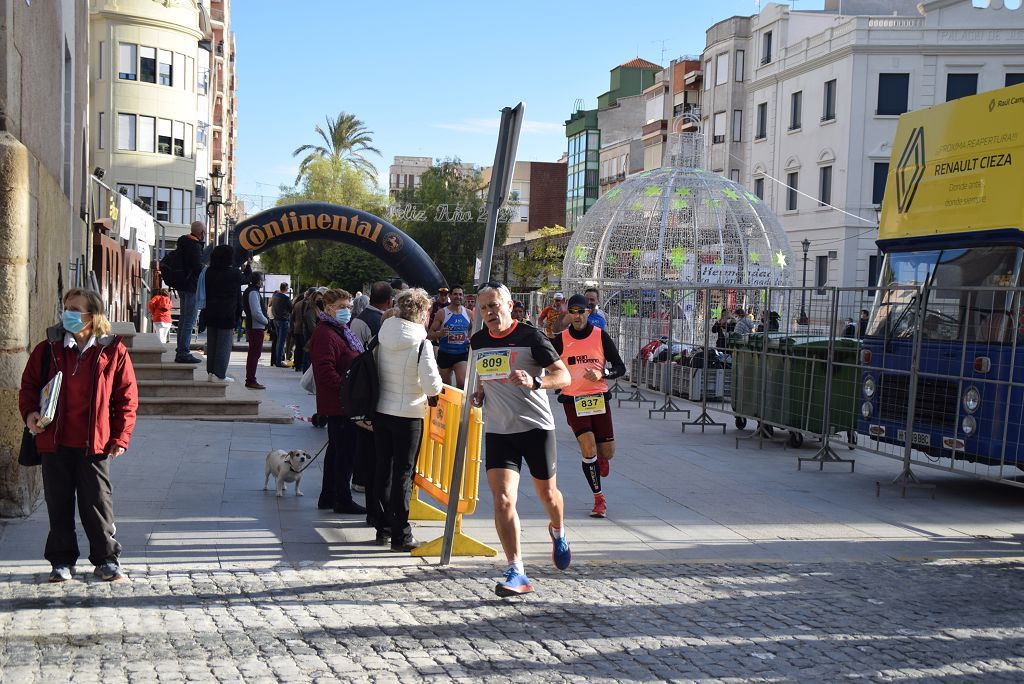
[[714, 562]]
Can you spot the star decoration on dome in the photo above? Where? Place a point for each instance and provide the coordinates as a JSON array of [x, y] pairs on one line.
[[629, 308], [755, 258], [780, 259]]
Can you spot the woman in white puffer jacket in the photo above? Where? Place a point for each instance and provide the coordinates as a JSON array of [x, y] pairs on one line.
[[408, 375]]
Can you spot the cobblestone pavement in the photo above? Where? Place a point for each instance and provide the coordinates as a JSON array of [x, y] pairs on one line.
[[939, 621]]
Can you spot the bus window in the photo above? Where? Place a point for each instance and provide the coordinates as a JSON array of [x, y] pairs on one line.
[[987, 314]]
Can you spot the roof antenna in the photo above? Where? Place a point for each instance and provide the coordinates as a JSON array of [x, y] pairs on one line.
[[663, 42]]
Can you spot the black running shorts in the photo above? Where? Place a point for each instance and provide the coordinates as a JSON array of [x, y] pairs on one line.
[[446, 360], [536, 447]]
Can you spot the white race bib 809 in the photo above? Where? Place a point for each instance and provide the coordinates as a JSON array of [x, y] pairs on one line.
[[493, 364]]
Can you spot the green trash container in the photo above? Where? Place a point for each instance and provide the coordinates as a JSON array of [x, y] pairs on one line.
[[747, 372], [804, 405], [746, 365]]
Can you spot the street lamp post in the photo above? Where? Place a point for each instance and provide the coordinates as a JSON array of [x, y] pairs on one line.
[[215, 202], [804, 320]]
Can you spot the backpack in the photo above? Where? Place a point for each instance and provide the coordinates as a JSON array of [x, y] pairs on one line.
[[172, 270], [360, 388]]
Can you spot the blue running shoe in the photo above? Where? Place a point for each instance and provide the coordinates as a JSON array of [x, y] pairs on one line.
[[515, 583], [560, 554]]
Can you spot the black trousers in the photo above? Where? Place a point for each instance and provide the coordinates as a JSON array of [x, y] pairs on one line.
[[68, 474], [366, 457], [338, 459], [398, 445]]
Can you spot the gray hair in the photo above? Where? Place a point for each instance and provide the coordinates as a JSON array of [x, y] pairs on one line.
[[358, 304], [412, 305], [504, 294]]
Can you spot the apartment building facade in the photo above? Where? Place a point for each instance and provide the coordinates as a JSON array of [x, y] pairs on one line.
[[536, 197], [607, 142], [802, 107], [164, 109]]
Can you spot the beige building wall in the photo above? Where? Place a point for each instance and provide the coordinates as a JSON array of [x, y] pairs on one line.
[[43, 127], [141, 25]]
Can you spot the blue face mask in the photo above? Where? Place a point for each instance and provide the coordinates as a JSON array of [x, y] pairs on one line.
[[343, 316], [72, 321]]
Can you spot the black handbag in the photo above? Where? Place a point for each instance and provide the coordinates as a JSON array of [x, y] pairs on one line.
[[28, 456]]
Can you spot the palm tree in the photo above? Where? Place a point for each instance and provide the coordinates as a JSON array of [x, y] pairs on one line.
[[346, 139]]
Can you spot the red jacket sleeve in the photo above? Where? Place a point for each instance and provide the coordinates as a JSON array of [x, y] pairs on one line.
[[32, 380], [124, 400]]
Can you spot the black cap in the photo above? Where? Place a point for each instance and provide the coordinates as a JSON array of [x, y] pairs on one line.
[[578, 301]]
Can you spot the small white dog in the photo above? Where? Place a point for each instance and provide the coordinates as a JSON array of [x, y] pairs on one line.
[[285, 466]]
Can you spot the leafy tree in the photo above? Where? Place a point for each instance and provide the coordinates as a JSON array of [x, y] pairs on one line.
[[542, 262], [320, 262], [451, 238], [346, 139]]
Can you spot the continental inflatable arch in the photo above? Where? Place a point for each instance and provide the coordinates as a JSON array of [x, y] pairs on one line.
[[323, 221]]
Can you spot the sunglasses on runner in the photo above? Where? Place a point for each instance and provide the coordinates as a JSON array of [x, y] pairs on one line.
[[577, 310]]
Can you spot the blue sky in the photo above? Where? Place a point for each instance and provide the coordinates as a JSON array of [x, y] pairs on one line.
[[430, 78]]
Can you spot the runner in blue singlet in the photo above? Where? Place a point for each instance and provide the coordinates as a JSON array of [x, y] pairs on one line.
[[450, 328]]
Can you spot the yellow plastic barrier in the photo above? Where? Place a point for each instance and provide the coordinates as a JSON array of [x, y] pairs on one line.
[[434, 473]]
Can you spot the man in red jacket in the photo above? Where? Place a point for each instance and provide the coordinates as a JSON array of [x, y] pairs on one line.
[[93, 424]]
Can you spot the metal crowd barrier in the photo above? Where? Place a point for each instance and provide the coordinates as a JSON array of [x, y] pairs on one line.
[[433, 473], [950, 379]]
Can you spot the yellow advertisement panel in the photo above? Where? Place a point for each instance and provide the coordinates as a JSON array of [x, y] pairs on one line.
[[957, 167]]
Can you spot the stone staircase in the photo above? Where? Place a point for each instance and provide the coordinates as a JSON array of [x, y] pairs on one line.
[[181, 391]]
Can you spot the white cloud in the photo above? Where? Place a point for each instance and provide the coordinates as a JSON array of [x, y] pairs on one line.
[[490, 126]]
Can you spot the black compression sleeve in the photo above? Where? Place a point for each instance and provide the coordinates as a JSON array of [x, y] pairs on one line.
[[611, 355]]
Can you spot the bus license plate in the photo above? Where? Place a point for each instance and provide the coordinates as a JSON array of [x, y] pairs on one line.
[[920, 438]]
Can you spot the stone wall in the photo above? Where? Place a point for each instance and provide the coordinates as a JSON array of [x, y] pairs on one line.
[[34, 215]]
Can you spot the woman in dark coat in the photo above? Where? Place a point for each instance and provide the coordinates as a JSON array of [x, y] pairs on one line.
[[223, 310], [332, 349]]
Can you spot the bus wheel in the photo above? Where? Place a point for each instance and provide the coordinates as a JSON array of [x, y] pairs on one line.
[[741, 422], [796, 439]]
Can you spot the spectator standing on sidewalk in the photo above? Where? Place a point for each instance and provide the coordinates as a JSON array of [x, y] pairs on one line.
[[160, 313], [359, 303], [744, 325], [367, 324], [299, 338], [93, 425], [224, 283], [256, 313], [281, 309], [310, 312], [365, 327], [332, 349], [191, 248], [408, 375]]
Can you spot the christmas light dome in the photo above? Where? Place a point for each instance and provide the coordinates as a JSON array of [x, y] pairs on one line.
[[679, 228]]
